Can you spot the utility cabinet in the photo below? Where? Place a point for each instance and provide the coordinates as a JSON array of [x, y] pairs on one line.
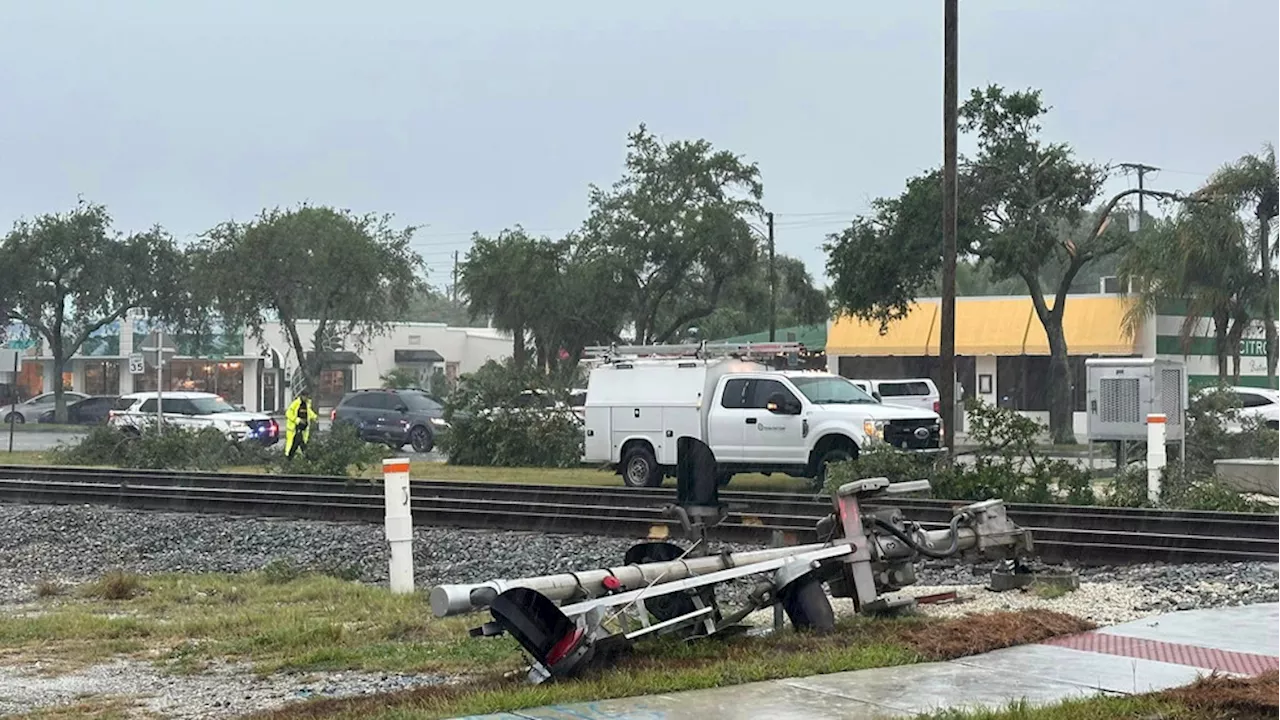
[[1123, 391]]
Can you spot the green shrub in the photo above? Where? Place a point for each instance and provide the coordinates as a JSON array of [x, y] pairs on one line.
[[337, 452], [115, 585], [173, 449], [488, 426], [281, 571], [1180, 488], [1006, 464]]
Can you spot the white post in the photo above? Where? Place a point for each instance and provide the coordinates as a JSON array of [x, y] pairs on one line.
[[395, 473], [159, 379], [1155, 454]]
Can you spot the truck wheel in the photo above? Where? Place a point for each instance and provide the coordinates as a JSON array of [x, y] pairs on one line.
[[640, 468], [831, 456]]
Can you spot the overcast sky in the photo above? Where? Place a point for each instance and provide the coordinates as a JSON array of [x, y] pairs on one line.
[[476, 116]]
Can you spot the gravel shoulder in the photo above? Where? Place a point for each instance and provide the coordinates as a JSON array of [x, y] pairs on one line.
[[76, 544]]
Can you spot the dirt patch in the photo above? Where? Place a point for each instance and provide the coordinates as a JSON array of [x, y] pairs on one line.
[[974, 634], [1217, 696]]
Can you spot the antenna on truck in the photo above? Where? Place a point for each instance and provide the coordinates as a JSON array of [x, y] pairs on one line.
[[701, 350]]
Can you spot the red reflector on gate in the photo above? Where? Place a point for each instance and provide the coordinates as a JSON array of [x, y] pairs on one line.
[[563, 647], [611, 583]]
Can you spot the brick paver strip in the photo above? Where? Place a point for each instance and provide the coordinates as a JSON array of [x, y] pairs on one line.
[[1176, 653]]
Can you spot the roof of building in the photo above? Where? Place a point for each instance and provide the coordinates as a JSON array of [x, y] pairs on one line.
[[1003, 326]]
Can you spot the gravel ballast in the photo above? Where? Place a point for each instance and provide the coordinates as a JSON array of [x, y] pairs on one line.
[[72, 544]]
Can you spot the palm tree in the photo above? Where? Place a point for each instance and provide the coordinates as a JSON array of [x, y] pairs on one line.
[[1251, 184], [1200, 258]]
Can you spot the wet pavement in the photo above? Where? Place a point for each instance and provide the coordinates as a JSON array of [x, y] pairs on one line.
[[1151, 654]]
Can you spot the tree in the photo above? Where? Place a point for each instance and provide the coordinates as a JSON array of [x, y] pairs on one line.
[[744, 307], [352, 275], [880, 263], [430, 305], [559, 296], [400, 378], [1022, 211], [678, 222], [1202, 260], [505, 278], [67, 275], [1251, 184]]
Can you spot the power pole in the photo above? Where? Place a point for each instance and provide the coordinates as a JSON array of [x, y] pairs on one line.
[[947, 342], [1142, 170], [453, 291], [773, 283]]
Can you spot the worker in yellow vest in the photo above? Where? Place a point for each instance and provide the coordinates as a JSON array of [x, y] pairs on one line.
[[298, 420]]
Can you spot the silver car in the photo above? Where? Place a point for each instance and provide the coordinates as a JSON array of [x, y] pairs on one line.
[[31, 409]]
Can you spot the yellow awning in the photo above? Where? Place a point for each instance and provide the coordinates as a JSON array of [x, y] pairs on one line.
[[987, 326], [1092, 326], [907, 337]]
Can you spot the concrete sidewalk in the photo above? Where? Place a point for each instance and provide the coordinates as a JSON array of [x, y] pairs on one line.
[[1154, 653]]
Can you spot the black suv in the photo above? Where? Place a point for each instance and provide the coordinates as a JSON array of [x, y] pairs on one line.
[[394, 417]]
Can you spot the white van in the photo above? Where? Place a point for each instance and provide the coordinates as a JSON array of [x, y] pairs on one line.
[[908, 392]]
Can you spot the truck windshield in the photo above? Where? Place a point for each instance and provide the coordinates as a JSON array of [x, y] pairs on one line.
[[831, 391]]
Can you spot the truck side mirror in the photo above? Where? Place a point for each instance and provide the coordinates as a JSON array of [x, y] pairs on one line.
[[782, 405]]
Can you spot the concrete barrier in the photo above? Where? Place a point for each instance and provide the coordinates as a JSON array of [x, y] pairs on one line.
[[1250, 475]]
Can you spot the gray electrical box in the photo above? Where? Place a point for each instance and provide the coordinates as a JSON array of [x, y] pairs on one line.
[[1123, 391]]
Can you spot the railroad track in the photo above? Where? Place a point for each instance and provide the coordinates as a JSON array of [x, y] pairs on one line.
[[1086, 535]]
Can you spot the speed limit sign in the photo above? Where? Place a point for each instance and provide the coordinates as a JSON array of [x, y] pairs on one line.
[[136, 364]]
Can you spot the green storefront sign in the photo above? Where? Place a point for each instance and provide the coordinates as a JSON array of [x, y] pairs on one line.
[[1172, 345]]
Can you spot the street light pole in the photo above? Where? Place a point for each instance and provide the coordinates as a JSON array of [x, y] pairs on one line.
[[947, 342], [773, 283]]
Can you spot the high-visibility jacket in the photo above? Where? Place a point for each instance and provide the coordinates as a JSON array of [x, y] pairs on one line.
[[291, 421]]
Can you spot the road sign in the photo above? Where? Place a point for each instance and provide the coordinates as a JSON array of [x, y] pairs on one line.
[[137, 365], [10, 360]]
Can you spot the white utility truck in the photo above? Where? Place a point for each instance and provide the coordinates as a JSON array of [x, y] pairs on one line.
[[642, 399]]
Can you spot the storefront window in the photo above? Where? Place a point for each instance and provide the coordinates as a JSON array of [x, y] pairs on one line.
[[102, 378], [334, 383], [225, 379], [31, 379]]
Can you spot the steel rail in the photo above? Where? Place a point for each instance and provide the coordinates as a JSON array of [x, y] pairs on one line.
[[1087, 535]]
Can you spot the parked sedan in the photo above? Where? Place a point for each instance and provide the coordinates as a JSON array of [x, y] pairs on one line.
[[89, 411], [32, 409]]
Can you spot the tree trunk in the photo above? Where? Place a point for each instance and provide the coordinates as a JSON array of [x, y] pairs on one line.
[[519, 354], [59, 398], [1220, 331], [1234, 336], [1269, 299], [1061, 411]]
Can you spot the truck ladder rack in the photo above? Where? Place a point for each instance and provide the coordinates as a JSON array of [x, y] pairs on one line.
[[702, 350]]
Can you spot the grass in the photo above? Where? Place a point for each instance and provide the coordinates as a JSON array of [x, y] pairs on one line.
[[25, 457], [673, 666], [1210, 698], [90, 708], [285, 621], [310, 622], [426, 470], [582, 476]]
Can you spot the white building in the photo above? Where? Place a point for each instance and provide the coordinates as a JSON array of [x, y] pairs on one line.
[[421, 348], [245, 371]]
